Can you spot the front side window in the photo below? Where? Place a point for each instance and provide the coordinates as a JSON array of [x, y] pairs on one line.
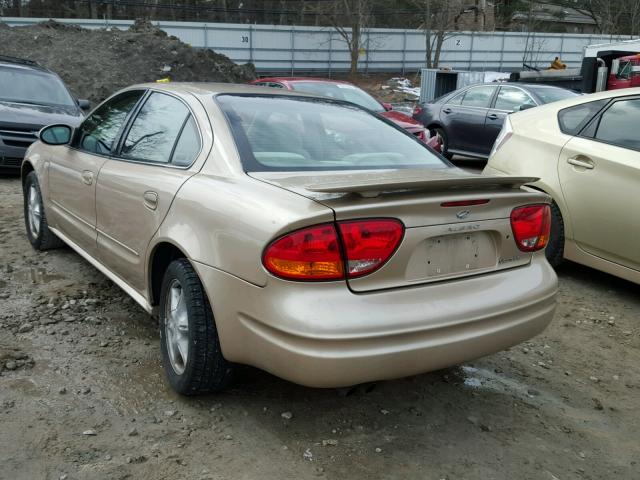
[[619, 124], [155, 129], [286, 133], [512, 99], [478, 97], [573, 119], [98, 133]]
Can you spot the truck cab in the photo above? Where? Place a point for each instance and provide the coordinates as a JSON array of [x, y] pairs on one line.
[[625, 72]]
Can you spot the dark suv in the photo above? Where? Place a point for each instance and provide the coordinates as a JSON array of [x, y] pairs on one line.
[[31, 97]]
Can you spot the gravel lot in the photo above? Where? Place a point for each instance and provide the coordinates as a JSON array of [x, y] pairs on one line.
[[82, 394]]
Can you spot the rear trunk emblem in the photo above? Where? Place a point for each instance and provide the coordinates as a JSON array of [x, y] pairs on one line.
[[463, 214]]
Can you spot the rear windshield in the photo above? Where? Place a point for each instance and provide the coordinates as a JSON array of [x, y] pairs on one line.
[[286, 133], [29, 86], [339, 91], [552, 94]]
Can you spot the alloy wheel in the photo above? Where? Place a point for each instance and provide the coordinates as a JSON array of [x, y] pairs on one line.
[[176, 324]]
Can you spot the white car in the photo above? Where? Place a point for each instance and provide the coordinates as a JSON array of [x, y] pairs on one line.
[[586, 153]]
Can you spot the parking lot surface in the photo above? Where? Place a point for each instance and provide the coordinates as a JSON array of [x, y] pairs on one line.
[[83, 396]]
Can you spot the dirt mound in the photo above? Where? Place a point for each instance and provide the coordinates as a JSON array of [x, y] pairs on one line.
[[96, 63]]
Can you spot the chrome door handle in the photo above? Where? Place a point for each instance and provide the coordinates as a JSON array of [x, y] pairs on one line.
[[87, 177], [446, 110], [576, 162], [150, 200], [492, 116]]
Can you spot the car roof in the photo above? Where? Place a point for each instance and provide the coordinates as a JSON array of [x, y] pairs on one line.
[[207, 89], [301, 79]]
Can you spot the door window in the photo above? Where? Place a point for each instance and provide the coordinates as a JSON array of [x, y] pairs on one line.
[[478, 97], [457, 100], [511, 99], [99, 132], [155, 129], [188, 145], [619, 124]]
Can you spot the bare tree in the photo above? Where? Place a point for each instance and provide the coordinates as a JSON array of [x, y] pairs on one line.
[[349, 18], [439, 19]]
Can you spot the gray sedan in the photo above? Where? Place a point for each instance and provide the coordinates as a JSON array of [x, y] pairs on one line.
[[469, 119]]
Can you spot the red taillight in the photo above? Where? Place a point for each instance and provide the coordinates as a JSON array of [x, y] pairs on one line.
[[417, 110], [531, 227], [309, 254], [314, 253], [369, 244]]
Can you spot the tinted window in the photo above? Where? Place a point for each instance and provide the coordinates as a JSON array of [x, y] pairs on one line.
[[297, 133], [548, 94], [619, 124], [573, 119], [478, 97], [188, 145], [512, 99], [155, 129], [99, 131], [32, 86], [340, 91]]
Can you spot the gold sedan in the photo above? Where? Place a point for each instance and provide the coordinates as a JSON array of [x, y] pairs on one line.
[[302, 235], [586, 152]]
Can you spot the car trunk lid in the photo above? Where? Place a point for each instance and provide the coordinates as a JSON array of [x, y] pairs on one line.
[[457, 223]]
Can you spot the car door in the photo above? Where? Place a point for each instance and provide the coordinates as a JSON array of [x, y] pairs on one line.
[[508, 100], [599, 174], [72, 174], [135, 188], [467, 120]]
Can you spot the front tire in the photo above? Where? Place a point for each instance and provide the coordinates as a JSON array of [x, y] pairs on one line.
[[555, 248], [191, 353], [35, 219]]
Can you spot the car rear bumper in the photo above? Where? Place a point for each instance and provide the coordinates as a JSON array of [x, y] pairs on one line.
[[323, 335]]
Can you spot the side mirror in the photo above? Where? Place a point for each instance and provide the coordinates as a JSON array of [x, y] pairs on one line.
[[56, 134], [526, 106], [84, 104], [387, 106]]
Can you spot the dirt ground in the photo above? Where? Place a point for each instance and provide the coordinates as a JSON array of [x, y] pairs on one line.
[[82, 394]]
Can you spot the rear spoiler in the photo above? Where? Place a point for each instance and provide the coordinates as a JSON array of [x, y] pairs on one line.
[[370, 187]]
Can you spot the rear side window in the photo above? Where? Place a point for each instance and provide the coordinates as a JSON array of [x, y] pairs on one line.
[[188, 145], [457, 100], [155, 129], [619, 124], [573, 119], [478, 97]]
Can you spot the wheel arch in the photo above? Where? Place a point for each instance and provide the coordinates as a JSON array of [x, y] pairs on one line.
[[26, 168], [162, 254], [559, 201]]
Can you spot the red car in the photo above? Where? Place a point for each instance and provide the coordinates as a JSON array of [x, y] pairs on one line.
[[347, 91]]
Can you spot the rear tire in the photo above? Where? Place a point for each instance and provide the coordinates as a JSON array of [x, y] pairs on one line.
[[555, 248], [191, 353], [445, 142], [35, 219]]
